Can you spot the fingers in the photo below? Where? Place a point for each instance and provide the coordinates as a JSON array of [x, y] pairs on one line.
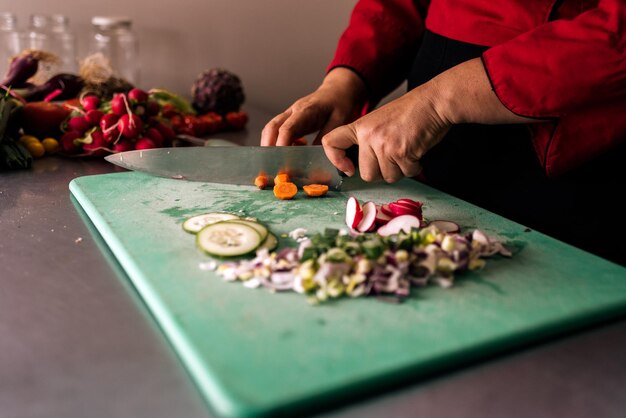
[[335, 145], [368, 164], [269, 134], [410, 167], [299, 120]]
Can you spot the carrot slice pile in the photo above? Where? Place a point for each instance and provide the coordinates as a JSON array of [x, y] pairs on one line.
[[285, 190], [315, 190]]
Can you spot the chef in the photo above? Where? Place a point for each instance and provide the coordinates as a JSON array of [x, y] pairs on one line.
[[516, 106]]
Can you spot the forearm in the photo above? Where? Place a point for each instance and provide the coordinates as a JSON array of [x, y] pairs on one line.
[[463, 94]]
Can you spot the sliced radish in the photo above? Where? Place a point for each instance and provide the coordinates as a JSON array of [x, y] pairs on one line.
[[385, 209], [412, 202], [398, 209], [354, 213], [445, 226], [381, 217], [369, 217], [400, 223]]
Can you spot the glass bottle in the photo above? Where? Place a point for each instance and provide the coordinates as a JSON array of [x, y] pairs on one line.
[[9, 41], [115, 39]]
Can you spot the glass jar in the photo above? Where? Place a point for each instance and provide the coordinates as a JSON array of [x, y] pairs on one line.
[[51, 34], [9, 41], [64, 43], [114, 38]]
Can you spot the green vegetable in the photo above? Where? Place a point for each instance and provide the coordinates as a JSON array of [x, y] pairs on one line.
[[164, 97], [228, 239], [13, 155], [194, 224]]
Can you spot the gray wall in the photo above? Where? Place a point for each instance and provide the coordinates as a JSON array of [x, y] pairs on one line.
[[280, 48]]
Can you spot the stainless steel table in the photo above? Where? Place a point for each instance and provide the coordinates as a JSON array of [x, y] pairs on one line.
[[76, 341]]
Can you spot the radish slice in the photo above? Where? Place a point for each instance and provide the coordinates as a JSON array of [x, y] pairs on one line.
[[385, 209], [369, 217], [401, 223], [411, 202], [381, 217], [354, 213], [399, 209], [445, 226]]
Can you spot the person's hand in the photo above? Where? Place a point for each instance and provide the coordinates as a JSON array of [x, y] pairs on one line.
[[336, 102], [391, 139], [394, 138]]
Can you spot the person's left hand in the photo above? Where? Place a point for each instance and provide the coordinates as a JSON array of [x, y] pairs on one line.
[[391, 139]]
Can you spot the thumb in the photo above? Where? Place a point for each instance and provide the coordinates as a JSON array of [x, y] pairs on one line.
[[335, 143]]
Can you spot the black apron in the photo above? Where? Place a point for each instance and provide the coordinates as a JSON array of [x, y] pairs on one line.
[[495, 167]]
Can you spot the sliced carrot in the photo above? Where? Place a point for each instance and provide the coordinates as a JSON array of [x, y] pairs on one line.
[[285, 190], [281, 178], [315, 190], [299, 141], [261, 181]]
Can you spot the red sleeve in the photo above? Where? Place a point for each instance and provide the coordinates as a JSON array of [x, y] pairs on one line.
[[563, 66], [571, 70], [380, 43]]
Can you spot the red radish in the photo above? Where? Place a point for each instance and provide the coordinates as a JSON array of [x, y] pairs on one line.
[[90, 102], [123, 145], [403, 209], [108, 121], [118, 104], [167, 132], [68, 144], [153, 108], [410, 202], [381, 217], [445, 226], [130, 125], [97, 147], [354, 213], [78, 123], [367, 223], [138, 95], [145, 143], [155, 136], [93, 116], [401, 223], [385, 209]]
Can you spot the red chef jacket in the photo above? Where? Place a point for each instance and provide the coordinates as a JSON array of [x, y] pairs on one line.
[[559, 60]]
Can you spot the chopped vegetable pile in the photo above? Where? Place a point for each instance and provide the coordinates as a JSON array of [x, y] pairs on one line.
[[337, 263], [385, 251]]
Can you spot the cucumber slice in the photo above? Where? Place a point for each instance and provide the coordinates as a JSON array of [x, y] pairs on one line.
[[260, 228], [228, 239], [271, 242], [194, 224]]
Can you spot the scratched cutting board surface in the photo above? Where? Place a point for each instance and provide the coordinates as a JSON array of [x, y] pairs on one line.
[[252, 352]]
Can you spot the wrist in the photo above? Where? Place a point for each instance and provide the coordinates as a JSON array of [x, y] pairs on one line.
[[348, 83]]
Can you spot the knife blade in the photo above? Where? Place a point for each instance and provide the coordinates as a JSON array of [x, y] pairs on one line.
[[233, 165]]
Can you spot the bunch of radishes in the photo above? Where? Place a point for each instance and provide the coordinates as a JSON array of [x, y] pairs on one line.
[[402, 215], [130, 121]]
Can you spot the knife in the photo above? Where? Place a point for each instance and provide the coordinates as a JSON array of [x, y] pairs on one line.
[[233, 164]]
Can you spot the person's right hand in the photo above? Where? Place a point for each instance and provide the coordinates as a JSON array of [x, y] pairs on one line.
[[337, 101]]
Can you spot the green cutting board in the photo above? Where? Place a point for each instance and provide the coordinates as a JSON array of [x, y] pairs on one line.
[[253, 352]]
